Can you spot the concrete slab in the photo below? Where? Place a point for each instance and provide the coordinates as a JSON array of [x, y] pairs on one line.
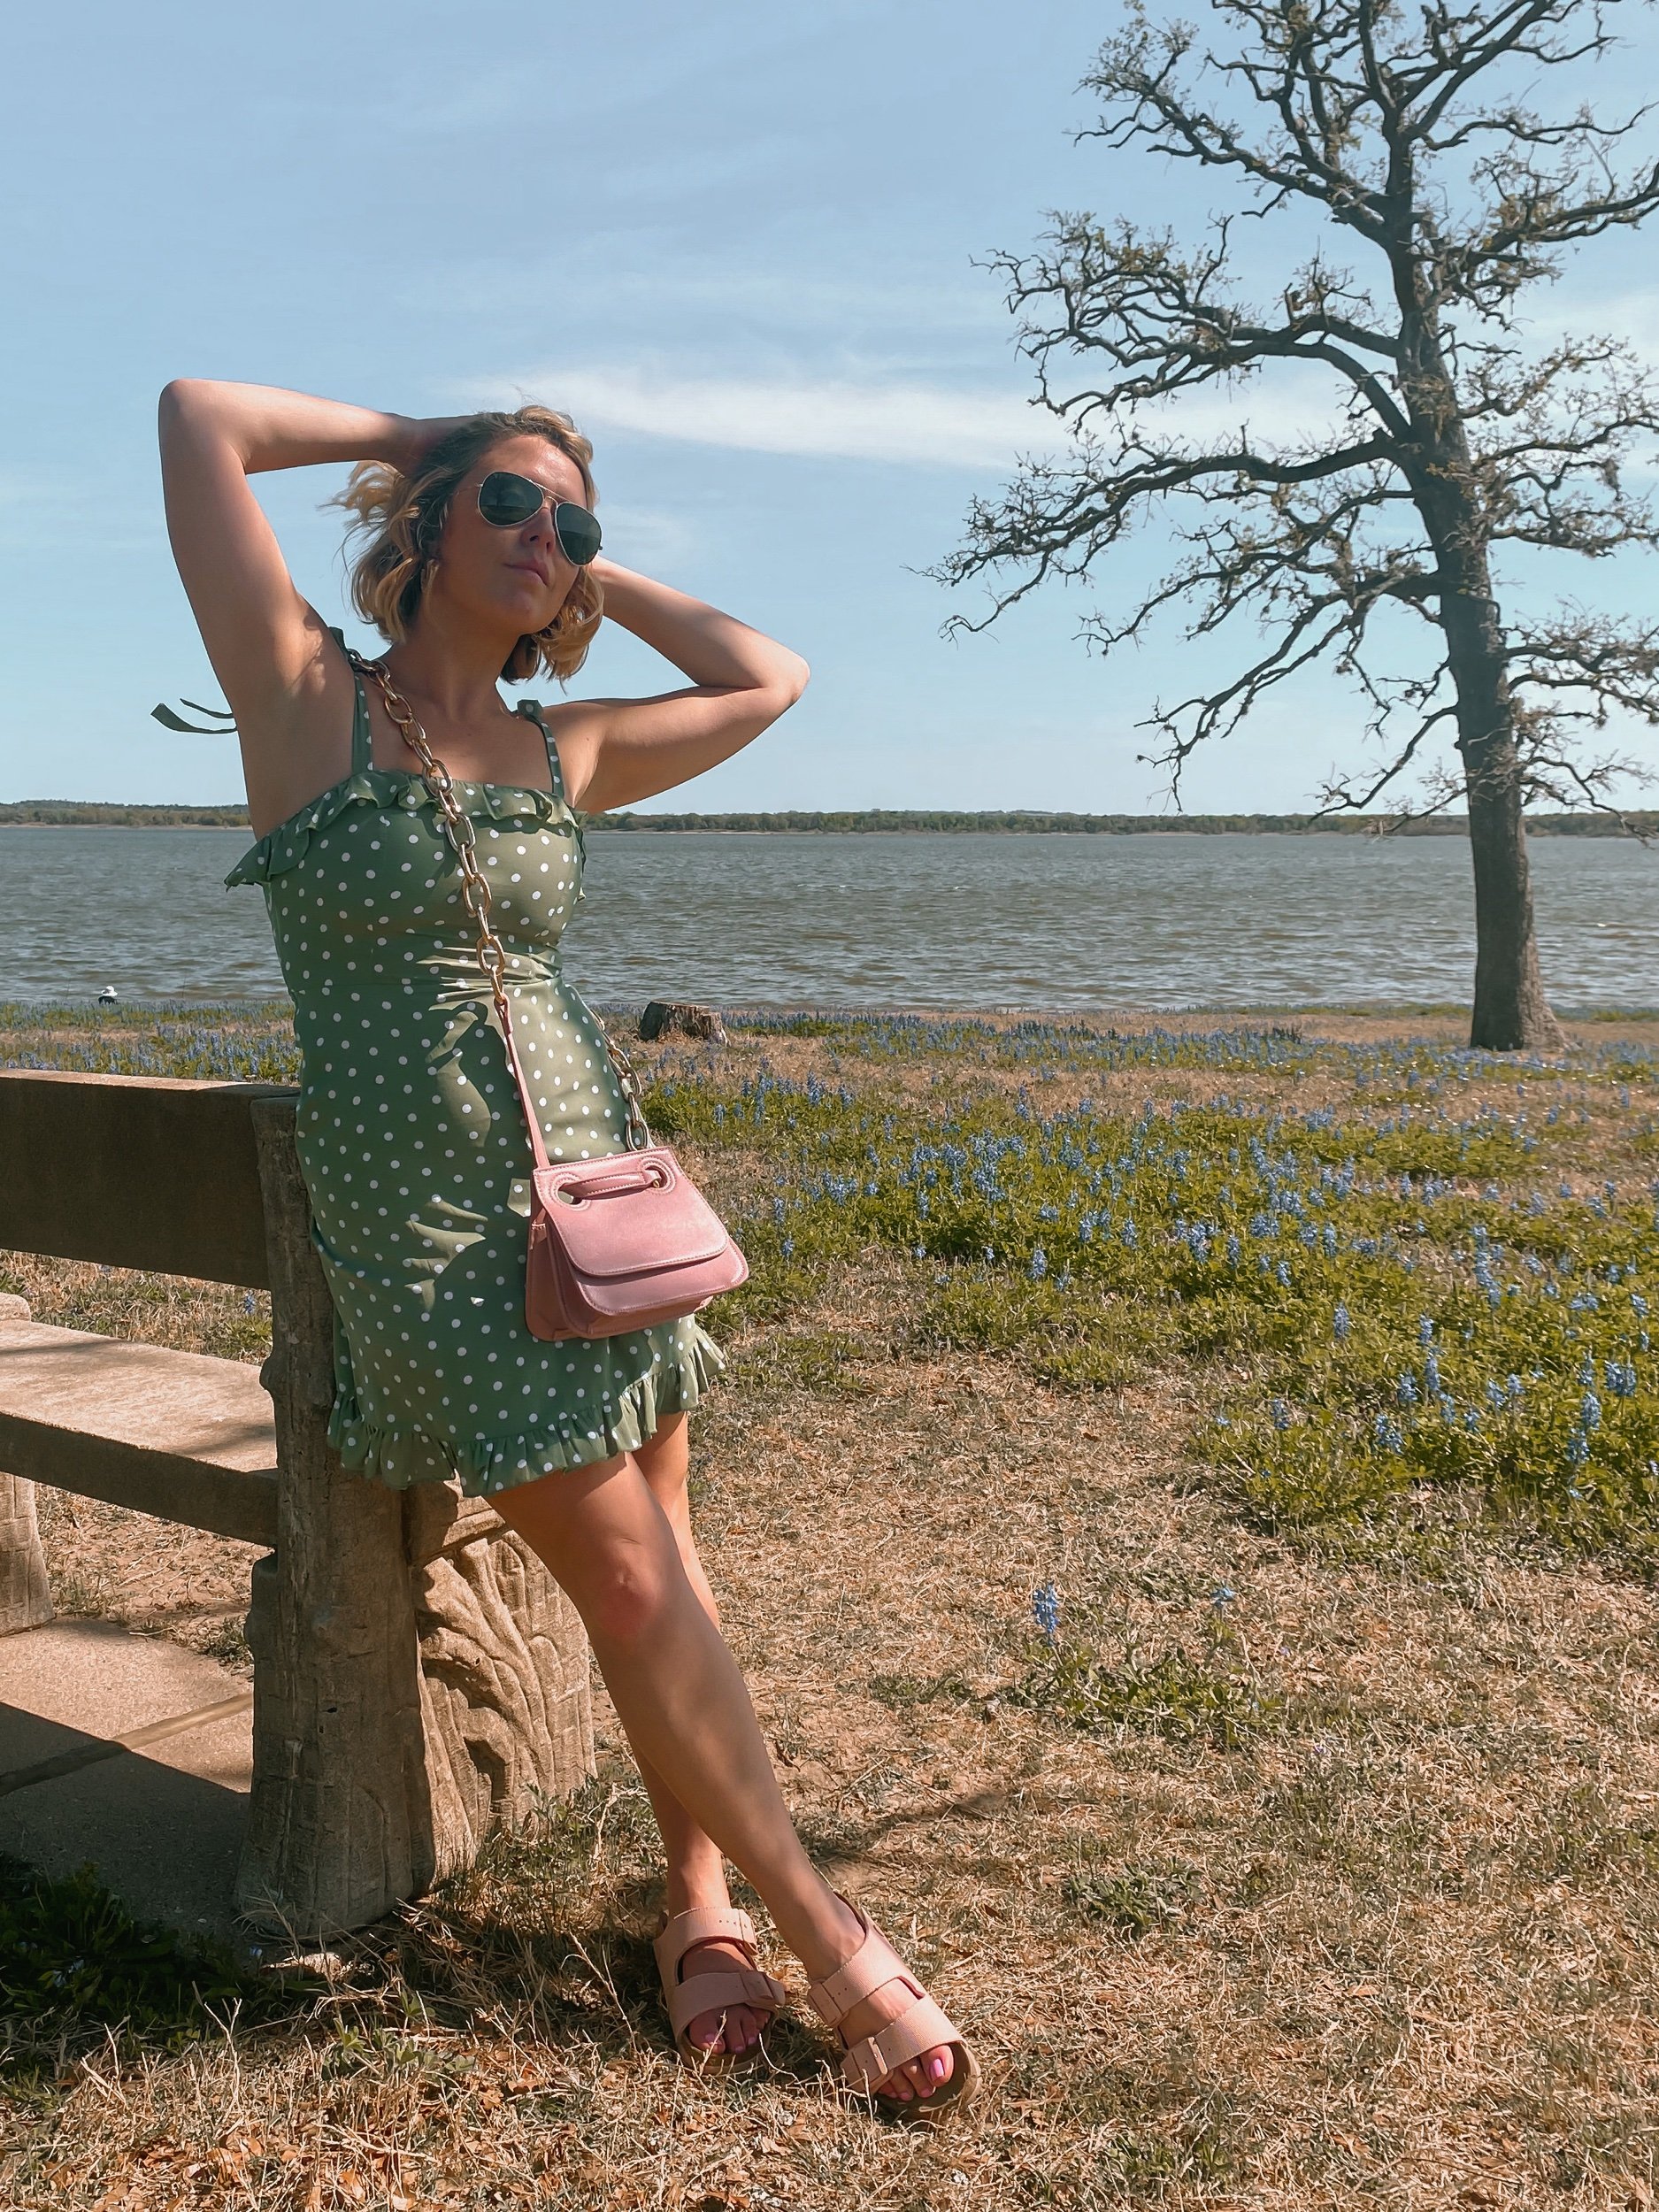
[[162, 1821], [99, 1675]]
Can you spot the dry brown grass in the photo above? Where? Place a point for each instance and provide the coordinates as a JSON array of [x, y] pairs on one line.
[[1397, 1948]]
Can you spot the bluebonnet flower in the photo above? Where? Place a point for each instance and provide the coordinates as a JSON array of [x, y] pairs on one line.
[[788, 1248], [248, 1302], [1405, 1391], [1045, 1611], [1278, 1413], [1590, 1413], [1223, 1596], [1578, 1450], [1620, 1377], [1432, 1375], [1233, 1249], [1387, 1434], [1340, 1325], [1039, 1264], [1586, 1372]]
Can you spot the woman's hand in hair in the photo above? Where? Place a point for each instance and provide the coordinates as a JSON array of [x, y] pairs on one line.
[[420, 434]]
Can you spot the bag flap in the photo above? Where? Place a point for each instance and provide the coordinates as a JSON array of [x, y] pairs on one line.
[[633, 1232]]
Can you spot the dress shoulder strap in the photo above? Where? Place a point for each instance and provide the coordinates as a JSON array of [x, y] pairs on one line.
[[533, 708], [360, 714]]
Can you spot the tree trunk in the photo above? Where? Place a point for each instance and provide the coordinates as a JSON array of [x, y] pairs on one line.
[[1510, 1011]]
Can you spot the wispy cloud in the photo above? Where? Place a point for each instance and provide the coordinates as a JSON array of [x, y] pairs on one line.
[[913, 424]]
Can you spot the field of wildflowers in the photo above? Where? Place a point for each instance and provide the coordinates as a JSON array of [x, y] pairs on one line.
[[1438, 1281]]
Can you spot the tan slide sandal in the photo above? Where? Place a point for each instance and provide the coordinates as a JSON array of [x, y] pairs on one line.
[[920, 2027], [716, 1987]]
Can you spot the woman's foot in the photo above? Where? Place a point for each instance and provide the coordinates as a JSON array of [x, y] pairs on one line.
[[743, 2024], [919, 2076]]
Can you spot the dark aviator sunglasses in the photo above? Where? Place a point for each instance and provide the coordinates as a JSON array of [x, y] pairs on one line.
[[509, 500]]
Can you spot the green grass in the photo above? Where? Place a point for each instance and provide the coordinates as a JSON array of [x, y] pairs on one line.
[[76, 1968]]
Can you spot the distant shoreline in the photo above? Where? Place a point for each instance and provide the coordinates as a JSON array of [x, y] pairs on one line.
[[90, 814]]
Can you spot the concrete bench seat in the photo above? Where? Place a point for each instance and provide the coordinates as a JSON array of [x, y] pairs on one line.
[[178, 1434]]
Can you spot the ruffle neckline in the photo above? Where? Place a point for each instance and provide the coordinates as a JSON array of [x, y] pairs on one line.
[[399, 1457], [285, 846]]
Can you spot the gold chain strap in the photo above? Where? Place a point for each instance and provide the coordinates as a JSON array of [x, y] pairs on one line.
[[475, 890]]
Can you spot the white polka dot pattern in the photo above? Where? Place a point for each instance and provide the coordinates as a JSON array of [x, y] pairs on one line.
[[412, 1139]]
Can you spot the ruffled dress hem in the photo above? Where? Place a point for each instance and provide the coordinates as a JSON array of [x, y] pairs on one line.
[[400, 1455]]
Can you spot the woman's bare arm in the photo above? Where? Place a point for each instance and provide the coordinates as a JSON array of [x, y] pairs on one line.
[[615, 751], [263, 639]]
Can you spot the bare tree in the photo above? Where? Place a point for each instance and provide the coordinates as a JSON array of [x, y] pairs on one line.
[[1368, 542]]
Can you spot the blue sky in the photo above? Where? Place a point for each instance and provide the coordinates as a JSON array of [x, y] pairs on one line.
[[736, 242]]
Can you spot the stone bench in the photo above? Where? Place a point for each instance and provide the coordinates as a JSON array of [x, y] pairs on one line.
[[419, 1677]]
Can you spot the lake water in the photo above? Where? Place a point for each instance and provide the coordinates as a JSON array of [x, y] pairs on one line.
[[895, 919]]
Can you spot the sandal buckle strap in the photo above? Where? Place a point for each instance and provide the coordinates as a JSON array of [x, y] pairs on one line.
[[872, 1965], [922, 2026]]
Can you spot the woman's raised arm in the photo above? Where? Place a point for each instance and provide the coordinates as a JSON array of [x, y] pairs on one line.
[[263, 639]]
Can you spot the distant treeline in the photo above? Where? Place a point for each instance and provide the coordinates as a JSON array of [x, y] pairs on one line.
[[65, 813]]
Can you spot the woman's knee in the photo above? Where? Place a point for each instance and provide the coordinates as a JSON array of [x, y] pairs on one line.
[[624, 1591], [608, 1543]]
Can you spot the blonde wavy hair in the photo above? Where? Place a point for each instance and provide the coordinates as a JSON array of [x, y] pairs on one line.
[[403, 518]]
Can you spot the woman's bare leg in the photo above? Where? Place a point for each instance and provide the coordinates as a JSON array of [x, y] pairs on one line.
[[680, 1697], [696, 1867]]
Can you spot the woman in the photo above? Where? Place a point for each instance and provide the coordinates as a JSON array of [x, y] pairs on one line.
[[481, 565]]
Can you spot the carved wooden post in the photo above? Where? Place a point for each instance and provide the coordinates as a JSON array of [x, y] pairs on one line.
[[25, 1598], [418, 1675], [504, 1674], [339, 1827]]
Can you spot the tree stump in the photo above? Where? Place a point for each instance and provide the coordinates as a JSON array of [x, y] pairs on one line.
[[662, 1015]]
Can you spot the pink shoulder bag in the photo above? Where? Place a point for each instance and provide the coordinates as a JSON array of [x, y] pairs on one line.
[[616, 1243]]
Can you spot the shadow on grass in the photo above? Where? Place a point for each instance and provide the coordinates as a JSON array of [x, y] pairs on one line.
[[77, 1967]]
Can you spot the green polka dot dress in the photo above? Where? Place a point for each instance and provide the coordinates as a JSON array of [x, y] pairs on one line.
[[412, 1137]]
